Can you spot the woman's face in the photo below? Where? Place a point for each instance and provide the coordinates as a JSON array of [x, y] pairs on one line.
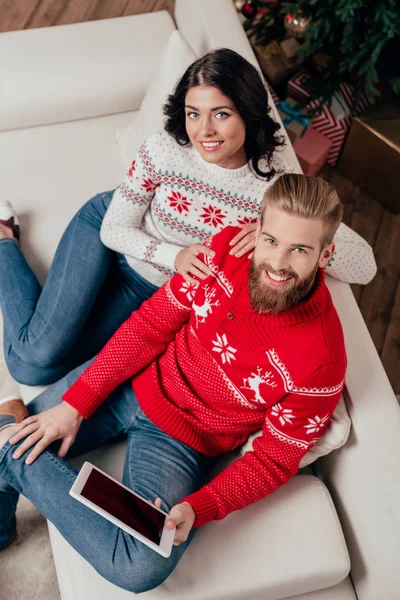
[[214, 127]]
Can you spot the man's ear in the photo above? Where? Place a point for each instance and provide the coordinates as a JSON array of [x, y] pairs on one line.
[[326, 255]]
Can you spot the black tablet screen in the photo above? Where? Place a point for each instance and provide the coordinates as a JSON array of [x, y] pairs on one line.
[[124, 506]]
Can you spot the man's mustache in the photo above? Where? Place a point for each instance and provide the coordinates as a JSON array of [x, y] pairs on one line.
[[280, 273]]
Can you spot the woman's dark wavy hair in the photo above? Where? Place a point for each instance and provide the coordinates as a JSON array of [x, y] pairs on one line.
[[237, 79]]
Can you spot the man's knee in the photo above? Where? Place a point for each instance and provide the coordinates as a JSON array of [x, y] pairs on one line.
[[142, 575]]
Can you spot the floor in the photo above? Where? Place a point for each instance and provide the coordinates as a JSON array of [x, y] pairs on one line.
[[380, 300]]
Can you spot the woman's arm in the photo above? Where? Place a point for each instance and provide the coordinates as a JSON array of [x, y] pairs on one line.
[[122, 225], [353, 260]]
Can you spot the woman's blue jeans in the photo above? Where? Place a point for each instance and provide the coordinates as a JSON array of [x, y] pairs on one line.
[[90, 290], [155, 465]]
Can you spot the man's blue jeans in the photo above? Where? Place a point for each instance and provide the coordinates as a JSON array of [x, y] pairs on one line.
[[89, 292], [155, 465]]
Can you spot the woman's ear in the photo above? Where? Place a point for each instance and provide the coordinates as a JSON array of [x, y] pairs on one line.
[[326, 255]]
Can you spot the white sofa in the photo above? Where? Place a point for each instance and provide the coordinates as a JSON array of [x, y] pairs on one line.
[[64, 92]]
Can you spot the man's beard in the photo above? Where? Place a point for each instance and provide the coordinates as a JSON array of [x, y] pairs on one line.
[[265, 298]]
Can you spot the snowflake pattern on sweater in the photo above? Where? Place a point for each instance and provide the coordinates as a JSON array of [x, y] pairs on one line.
[[171, 198], [209, 370]]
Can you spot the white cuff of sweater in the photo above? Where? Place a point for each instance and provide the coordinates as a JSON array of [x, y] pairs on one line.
[[165, 255]]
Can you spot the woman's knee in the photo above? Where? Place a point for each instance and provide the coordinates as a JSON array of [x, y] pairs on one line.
[[96, 207], [30, 374]]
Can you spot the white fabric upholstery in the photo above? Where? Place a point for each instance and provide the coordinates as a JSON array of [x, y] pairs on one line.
[[77, 71], [49, 171], [335, 436], [293, 537], [364, 475], [176, 58]]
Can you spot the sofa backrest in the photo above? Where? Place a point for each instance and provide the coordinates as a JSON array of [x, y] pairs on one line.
[[41, 83]]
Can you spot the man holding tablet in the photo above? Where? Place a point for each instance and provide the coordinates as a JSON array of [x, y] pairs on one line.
[[257, 344]]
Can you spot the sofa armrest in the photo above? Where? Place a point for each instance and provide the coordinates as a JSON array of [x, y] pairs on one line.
[[79, 71], [363, 476]]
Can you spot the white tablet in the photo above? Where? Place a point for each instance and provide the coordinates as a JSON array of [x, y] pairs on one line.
[[117, 503]]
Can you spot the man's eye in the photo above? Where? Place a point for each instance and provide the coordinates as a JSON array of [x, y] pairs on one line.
[[300, 251], [270, 241]]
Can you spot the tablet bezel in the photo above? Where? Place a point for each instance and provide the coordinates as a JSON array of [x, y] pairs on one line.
[[167, 536]]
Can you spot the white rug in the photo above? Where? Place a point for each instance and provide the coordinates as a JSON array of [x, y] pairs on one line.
[[26, 567]]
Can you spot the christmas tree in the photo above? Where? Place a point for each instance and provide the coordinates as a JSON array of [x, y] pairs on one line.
[[357, 41]]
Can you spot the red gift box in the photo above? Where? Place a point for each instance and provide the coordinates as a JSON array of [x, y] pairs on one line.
[[334, 121], [312, 150]]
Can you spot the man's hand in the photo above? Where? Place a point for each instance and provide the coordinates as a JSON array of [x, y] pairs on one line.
[[187, 263], [181, 516], [60, 422], [244, 241]]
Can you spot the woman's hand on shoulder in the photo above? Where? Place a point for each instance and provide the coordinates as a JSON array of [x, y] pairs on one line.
[[245, 240], [61, 422], [188, 264]]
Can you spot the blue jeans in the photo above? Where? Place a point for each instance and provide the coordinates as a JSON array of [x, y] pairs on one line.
[[155, 465], [89, 292]]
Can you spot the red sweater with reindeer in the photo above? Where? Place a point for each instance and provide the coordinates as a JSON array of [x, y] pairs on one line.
[[209, 371]]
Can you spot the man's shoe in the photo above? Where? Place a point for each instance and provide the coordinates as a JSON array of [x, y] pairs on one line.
[[12, 411], [9, 218]]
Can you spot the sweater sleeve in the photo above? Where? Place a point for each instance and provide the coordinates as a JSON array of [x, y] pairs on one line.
[[291, 427], [138, 341], [122, 227], [353, 261]]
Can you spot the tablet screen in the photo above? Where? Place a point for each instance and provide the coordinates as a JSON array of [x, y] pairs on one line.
[[124, 506]]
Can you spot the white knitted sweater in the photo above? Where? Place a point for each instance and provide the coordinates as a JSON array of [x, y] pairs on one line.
[[171, 198]]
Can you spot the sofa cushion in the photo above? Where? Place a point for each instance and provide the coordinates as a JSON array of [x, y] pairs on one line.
[[49, 172], [175, 60], [289, 543], [79, 71], [335, 436]]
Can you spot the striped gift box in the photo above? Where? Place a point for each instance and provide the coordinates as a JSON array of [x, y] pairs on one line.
[[334, 121]]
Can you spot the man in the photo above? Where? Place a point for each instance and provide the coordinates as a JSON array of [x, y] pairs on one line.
[[256, 345]]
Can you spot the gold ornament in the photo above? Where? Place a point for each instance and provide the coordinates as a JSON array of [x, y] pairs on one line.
[[297, 25], [239, 4]]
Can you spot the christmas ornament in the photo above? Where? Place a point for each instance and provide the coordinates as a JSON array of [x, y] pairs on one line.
[[239, 4], [249, 10], [297, 24]]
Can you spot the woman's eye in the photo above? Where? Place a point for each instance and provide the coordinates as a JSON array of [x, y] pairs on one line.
[[222, 115], [191, 115], [270, 241]]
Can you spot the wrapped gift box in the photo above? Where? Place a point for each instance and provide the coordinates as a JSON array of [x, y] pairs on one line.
[[371, 155], [312, 150], [273, 62], [297, 85], [294, 120], [334, 121]]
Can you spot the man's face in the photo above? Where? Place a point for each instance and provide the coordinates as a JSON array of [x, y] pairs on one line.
[[285, 260]]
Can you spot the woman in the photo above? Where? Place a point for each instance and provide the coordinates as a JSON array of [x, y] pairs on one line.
[[207, 170]]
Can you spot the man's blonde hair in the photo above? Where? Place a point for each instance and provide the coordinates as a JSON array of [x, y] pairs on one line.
[[309, 197]]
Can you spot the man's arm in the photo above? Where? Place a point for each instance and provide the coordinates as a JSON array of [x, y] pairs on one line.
[[138, 341], [291, 427]]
